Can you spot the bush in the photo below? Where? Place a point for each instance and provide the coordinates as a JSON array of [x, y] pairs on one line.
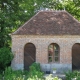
[[50, 77], [5, 58], [10, 74], [73, 75], [33, 74], [35, 71]]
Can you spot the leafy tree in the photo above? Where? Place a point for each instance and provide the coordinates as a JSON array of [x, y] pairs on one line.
[[14, 13], [7, 21], [73, 7], [5, 58]]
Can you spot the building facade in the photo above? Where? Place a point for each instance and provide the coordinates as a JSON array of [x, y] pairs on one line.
[[51, 38]]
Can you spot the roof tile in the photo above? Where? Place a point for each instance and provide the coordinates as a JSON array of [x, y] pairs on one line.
[[50, 23]]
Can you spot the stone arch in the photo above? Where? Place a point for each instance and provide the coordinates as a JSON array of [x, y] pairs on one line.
[[53, 53], [76, 56], [29, 55]]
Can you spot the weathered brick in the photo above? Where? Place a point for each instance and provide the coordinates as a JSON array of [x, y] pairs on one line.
[[41, 43]]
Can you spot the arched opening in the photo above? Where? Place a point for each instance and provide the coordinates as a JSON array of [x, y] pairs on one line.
[[29, 55], [53, 53], [76, 56]]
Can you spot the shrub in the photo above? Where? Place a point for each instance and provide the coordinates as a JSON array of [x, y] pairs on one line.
[[33, 74], [10, 74], [35, 71], [73, 75], [50, 77], [5, 57]]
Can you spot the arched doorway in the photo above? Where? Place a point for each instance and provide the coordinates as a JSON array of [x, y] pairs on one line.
[[76, 57], [53, 53], [29, 55]]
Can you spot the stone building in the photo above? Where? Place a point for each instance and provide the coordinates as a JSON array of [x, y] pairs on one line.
[[51, 38]]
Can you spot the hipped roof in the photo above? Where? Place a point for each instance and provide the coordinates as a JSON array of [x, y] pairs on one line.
[[50, 23]]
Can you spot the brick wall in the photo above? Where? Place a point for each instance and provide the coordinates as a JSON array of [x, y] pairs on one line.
[[41, 43]]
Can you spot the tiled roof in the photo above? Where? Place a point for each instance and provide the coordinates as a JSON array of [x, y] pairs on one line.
[[50, 23]]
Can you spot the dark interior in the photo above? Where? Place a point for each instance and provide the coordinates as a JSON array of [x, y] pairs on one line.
[[76, 57]]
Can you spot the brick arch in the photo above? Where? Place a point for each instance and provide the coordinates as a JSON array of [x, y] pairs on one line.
[[53, 52], [76, 56], [29, 55]]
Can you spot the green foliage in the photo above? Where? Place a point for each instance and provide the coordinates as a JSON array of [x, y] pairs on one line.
[[10, 74], [33, 74], [5, 58], [70, 75], [50, 77], [34, 78], [35, 66], [35, 71], [72, 7]]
